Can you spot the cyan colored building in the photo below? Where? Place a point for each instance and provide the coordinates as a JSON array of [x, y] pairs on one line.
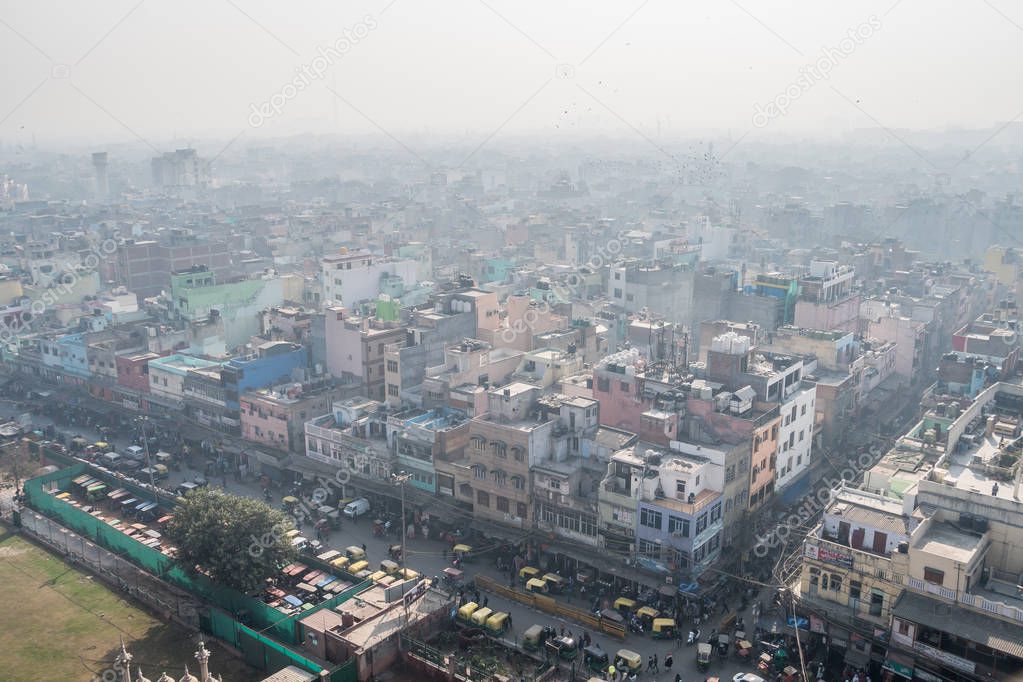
[[497, 270], [73, 359], [417, 436]]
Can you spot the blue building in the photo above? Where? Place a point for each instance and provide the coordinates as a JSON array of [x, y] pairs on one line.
[[273, 362], [73, 359], [418, 436], [679, 505]]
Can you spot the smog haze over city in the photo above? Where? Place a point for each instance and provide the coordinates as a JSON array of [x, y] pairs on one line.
[[490, 340]]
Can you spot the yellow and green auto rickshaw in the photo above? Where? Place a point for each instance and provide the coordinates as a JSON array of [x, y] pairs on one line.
[[625, 606], [534, 636], [646, 615], [389, 567], [341, 562], [463, 553], [357, 567], [537, 586], [703, 652], [527, 573], [555, 583], [630, 660], [595, 658], [496, 624], [480, 615], [464, 614], [355, 553], [663, 628]]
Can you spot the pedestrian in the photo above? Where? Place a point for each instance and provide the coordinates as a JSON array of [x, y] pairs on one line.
[[678, 677], [364, 547], [486, 600], [611, 672], [668, 660], [649, 663], [476, 594], [510, 626], [562, 630], [657, 666]]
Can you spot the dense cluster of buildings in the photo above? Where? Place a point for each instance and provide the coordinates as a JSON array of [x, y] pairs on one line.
[[644, 392]]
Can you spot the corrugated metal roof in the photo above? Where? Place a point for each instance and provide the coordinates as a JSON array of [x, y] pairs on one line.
[[962, 622]]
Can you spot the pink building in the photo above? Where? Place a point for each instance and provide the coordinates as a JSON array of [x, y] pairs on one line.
[[276, 416], [133, 370]]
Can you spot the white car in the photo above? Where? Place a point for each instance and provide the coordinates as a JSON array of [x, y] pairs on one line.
[[356, 507], [748, 677]]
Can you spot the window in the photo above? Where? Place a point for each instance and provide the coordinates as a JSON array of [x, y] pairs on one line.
[[876, 602], [680, 487], [933, 575], [518, 453], [650, 518], [649, 549], [629, 297], [618, 293], [774, 432], [518, 482], [715, 512], [855, 586], [802, 432], [836, 583], [392, 365], [483, 498], [714, 543], [730, 474], [701, 524], [603, 385], [520, 510], [803, 411], [479, 471], [502, 504], [392, 390], [624, 385], [676, 524], [555, 484], [618, 276]]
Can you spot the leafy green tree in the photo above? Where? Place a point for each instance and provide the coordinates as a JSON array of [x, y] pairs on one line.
[[235, 541]]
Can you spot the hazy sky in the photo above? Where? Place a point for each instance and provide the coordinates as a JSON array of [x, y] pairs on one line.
[[112, 71]]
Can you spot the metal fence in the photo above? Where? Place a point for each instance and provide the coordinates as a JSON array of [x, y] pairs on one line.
[[551, 605]]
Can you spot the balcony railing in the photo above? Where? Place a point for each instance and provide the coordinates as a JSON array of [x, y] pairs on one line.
[[974, 601]]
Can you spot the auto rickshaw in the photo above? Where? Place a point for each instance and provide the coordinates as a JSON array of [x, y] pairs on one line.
[[453, 577], [724, 644], [630, 660], [595, 658], [389, 567], [537, 586], [357, 567], [463, 553], [377, 575], [534, 637], [703, 653], [743, 649], [379, 528], [646, 615], [341, 562], [166, 459], [480, 615], [555, 583], [496, 624], [355, 553], [395, 552], [624, 605], [527, 573], [663, 628], [563, 647], [330, 515], [464, 614], [789, 674], [407, 574], [289, 502]]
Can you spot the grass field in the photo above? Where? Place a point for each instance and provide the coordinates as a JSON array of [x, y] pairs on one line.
[[62, 624]]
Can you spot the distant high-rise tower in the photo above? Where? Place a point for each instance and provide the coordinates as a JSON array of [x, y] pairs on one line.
[[99, 162]]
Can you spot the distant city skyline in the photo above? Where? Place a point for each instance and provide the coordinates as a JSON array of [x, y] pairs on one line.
[[101, 74]]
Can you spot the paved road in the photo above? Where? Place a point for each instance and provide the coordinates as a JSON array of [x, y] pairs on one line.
[[428, 557]]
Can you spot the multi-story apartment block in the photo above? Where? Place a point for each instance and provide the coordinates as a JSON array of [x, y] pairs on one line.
[[470, 368], [352, 436], [827, 299], [356, 347], [421, 437], [353, 277], [276, 415]]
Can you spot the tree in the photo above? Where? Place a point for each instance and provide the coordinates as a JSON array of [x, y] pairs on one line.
[[235, 541]]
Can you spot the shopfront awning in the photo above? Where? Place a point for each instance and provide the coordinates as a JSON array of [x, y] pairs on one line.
[[899, 665]]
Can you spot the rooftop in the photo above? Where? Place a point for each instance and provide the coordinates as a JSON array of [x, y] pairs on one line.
[[943, 539]]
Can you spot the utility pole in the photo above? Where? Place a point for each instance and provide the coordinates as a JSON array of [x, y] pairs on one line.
[[143, 420], [400, 479]]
